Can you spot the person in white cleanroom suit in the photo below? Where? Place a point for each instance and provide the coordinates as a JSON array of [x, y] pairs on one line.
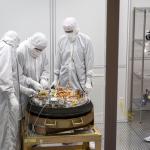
[[9, 105], [32, 58], [74, 58]]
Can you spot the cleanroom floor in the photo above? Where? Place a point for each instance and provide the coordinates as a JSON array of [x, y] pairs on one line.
[[130, 136]]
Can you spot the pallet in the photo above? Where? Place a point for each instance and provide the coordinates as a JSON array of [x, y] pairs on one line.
[[32, 141]]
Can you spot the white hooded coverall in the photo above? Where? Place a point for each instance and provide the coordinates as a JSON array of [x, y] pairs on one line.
[[9, 106], [74, 57], [32, 68]]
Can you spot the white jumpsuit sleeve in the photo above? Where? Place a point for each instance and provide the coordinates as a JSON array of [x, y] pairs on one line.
[[45, 70], [24, 80], [23, 89], [57, 61], [6, 78], [89, 59]]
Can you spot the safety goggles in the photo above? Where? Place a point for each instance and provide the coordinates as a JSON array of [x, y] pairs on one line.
[[69, 31], [38, 49]]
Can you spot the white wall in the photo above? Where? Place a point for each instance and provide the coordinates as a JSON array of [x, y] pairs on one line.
[[25, 17], [29, 16], [139, 3]]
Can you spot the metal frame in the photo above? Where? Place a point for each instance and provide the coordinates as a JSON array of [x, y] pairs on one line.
[[132, 64], [143, 47], [52, 13], [142, 10]]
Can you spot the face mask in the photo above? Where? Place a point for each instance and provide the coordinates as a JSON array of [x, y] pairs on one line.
[[71, 36], [35, 53]]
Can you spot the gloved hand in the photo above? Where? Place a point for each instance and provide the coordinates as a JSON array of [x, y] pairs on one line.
[[55, 82], [27, 91], [44, 84], [37, 86], [88, 85], [30, 92], [14, 104]]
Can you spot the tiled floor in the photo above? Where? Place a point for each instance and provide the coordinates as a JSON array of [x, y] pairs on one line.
[[130, 135]]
